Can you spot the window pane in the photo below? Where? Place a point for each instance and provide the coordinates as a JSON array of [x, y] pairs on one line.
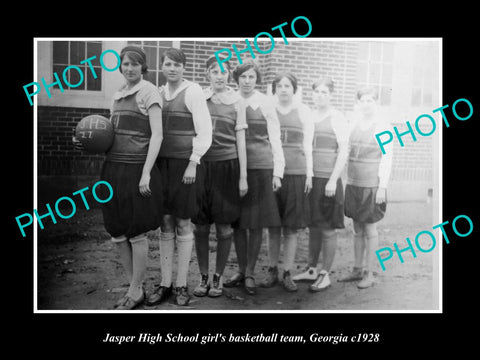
[[362, 72], [386, 95], [150, 43], [374, 73], [165, 44], [417, 76], [363, 50], [388, 52], [77, 52], [94, 84], [94, 49], [427, 97], [59, 70], [150, 76], [134, 43], [375, 51], [60, 52], [416, 93], [162, 80], [151, 57], [75, 77], [387, 74]]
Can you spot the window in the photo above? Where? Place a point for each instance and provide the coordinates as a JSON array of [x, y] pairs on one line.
[[425, 75], [67, 53], [375, 68], [154, 51]]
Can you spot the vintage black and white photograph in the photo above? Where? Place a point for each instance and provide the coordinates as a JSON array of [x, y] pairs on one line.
[[227, 175]]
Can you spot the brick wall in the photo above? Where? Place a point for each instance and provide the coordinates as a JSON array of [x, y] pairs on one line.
[[56, 154], [306, 60]]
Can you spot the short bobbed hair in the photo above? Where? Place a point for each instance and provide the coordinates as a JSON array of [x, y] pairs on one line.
[[175, 54], [136, 54], [245, 66], [293, 80], [326, 81]]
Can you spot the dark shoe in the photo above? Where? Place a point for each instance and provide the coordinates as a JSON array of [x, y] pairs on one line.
[[181, 296], [354, 275], [216, 289], [250, 286], [235, 280], [288, 283], [160, 295], [271, 279], [129, 303], [203, 286]]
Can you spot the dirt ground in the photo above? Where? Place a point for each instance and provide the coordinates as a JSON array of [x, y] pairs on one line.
[[79, 269]]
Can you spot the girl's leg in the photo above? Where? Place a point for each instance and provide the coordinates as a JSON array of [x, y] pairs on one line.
[[125, 251], [329, 246], [274, 242], [314, 247], [202, 233], [167, 249], [184, 250], [358, 250], [184, 253], [315, 241], [139, 261], [134, 254], [371, 239], [290, 239], [224, 244], [240, 241], [166, 246], [253, 249]]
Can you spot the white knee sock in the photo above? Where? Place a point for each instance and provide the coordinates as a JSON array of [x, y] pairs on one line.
[[184, 251], [167, 249]]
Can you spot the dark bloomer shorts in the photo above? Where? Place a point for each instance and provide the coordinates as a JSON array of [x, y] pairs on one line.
[[327, 211], [293, 203], [219, 199], [360, 204], [258, 208], [128, 212], [180, 200]]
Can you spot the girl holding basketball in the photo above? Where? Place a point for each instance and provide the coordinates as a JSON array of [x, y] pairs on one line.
[[296, 134], [136, 206], [225, 176], [366, 190], [330, 151], [265, 165], [187, 135]]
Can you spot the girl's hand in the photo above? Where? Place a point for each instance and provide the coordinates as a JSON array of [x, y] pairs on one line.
[[381, 196], [308, 185], [243, 186], [190, 173], [330, 188], [144, 185], [276, 183], [77, 144]]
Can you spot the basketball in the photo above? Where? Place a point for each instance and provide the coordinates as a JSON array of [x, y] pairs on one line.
[[96, 133]]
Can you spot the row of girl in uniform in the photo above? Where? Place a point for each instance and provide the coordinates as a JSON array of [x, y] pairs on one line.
[[184, 155]]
